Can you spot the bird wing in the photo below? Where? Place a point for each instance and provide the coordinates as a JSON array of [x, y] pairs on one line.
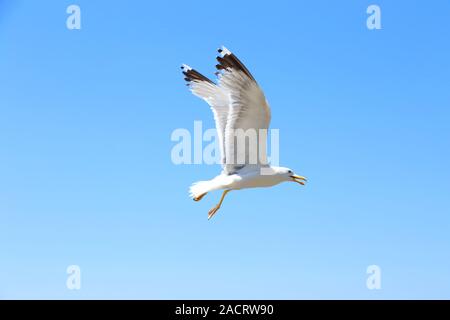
[[248, 109], [215, 96]]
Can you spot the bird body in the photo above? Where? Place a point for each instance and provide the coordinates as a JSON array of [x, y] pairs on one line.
[[242, 117], [243, 179]]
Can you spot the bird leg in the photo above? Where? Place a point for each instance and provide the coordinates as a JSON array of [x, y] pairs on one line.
[[217, 207], [200, 196]]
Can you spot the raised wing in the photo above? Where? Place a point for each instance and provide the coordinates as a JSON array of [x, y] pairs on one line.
[[215, 96], [248, 109]]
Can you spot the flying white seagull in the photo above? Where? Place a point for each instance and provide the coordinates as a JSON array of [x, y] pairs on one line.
[[238, 105]]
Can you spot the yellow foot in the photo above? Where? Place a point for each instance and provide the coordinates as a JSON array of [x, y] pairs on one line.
[[213, 211], [200, 197]]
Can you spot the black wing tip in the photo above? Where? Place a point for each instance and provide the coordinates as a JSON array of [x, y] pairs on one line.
[[228, 61], [224, 51], [193, 75]]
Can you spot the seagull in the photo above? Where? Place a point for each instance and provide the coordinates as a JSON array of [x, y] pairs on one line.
[[238, 104]]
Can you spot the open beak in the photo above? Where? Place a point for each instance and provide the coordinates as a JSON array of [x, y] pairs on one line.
[[299, 179]]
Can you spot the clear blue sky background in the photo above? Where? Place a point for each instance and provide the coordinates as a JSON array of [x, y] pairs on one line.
[[86, 176]]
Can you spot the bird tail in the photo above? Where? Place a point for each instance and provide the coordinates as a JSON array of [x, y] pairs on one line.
[[199, 189]]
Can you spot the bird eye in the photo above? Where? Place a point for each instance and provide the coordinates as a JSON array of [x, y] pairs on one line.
[[290, 171]]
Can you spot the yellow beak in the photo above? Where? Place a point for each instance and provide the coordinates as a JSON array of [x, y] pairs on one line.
[[299, 179]]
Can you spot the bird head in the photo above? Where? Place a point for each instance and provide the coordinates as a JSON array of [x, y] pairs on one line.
[[286, 174]]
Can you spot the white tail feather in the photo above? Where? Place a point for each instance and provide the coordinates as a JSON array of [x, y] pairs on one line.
[[199, 188]]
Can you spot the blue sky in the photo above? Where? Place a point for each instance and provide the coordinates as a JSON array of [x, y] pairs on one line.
[[86, 176]]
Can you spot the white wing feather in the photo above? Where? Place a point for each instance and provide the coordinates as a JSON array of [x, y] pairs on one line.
[[248, 109], [237, 103], [215, 96]]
